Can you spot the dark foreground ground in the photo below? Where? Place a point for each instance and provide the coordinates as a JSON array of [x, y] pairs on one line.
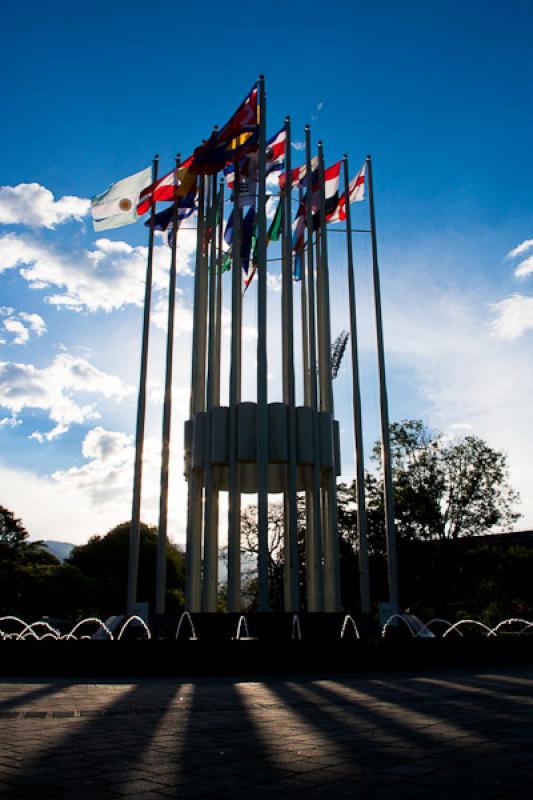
[[451, 734]]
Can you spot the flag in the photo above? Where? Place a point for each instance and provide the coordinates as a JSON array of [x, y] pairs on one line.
[[178, 182], [275, 160], [117, 206], [233, 141], [273, 235], [164, 220], [247, 180], [331, 189], [247, 230], [275, 152], [298, 175], [356, 193]]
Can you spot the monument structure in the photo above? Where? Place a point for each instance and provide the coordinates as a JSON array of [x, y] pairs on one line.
[[264, 447]]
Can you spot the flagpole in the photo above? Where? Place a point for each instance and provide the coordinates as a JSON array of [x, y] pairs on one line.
[[291, 593], [262, 365], [390, 527], [218, 305], [314, 537], [135, 529], [362, 528], [211, 494], [194, 505], [161, 566], [234, 498], [331, 554]]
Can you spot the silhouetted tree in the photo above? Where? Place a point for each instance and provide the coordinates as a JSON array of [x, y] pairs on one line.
[[104, 559], [443, 489]]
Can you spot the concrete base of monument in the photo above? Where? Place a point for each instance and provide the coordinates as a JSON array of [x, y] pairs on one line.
[[251, 657]]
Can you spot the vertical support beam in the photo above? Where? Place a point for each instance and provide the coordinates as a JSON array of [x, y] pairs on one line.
[[362, 527], [135, 530], [234, 497], [390, 527], [210, 572], [194, 506], [161, 566], [218, 303], [313, 539], [331, 551], [262, 364], [291, 582]]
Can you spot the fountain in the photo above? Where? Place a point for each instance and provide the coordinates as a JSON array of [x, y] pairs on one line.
[[348, 618], [135, 619], [188, 617]]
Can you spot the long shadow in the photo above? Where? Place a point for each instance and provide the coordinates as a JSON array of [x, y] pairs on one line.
[[97, 754], [52, 687], [226, 751], [377, 749]]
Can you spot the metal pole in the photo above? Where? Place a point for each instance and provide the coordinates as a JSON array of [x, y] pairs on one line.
[[194, 508], [135, 530], [390, 527], [211, 494], [313, 541], [218, 306], [331, 552], [362, 528], [234, 498], [161, 567], [291, 593], [262, 365]]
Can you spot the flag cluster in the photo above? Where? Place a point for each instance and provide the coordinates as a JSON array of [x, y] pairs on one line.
[[233, 150]]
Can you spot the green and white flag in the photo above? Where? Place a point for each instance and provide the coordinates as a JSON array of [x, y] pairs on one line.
[[117, 206]]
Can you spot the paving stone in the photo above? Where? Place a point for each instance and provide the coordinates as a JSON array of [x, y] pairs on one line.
[[451, 734]]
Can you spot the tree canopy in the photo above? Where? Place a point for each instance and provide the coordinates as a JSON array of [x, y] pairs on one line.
[[443, 489], [104, 559]]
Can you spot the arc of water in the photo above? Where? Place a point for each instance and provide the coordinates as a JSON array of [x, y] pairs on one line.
[[11, 618], [99, 622], [405, 622], [512, 621], [348, 618], [135, 618], [188, 617], [462, 622], [296, 628], [242, 623], [29, 629]]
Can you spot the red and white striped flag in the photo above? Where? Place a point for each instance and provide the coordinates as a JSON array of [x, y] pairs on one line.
[[356, 195], [164, 189], [298, 174]]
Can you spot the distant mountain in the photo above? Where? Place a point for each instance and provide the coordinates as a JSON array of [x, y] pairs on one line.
[[60, 550]]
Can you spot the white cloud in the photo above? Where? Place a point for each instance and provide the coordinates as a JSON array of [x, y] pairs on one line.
[[34, 205], [55, 389], [103, 484], [183, 321], [22, 325], [298, 145], [525, 268], [35, 321], [108, 277], [21, 333], [108, 471], [521, 248], [514, 317], [444, 345], [10, 422]]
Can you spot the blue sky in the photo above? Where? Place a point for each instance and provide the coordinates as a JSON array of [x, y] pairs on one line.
[[440, 93]]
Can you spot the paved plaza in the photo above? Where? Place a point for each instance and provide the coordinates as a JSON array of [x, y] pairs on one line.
[[453, 734]]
